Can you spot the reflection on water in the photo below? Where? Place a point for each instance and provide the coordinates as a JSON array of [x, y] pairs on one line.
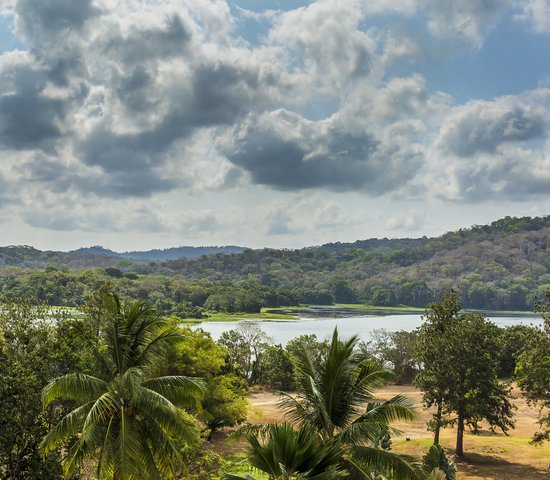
[[321, 321]]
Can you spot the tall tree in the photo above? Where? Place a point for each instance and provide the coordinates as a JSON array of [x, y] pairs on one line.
[[533, 372], [464, 379], [127, 416], [431, 349]]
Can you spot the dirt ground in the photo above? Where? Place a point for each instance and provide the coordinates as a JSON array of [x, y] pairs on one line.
[[488, 456]]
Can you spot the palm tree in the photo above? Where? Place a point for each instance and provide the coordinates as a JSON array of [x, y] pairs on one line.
[[128, 418], [285, 453], [332, 392]]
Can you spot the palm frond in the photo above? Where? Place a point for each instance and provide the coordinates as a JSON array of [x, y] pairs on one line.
[[180, 390], [437, 474], [172, 420], [74, 386], [388, 463], [232, 476], [66, 428], [366, 428]]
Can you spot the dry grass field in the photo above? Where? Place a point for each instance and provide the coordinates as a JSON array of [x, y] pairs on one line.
[[488, 456]]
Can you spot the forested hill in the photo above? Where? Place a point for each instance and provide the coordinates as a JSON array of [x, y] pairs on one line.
[[28, 257], [503, 265], [500, 266]]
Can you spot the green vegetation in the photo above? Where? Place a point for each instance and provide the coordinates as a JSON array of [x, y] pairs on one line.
[[334, 435], [533, 371], [32, 350], [503, 266], [126, 419], [235, 317], [120, 385], [459, 375]]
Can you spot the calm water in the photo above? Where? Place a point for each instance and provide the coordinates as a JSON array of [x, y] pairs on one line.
[[284, 330]]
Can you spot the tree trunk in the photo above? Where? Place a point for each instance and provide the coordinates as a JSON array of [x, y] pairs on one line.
[[460, 437], [438, 423]]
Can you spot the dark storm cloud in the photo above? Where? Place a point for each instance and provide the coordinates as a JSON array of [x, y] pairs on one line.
[[134, 90], [286, 152], [483, 127]]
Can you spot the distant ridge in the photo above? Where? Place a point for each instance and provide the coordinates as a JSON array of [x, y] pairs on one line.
[[24, 256], [159, 255]]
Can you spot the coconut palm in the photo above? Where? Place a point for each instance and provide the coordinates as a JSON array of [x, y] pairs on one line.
[[334, 397], [286, 453], [127, 417]]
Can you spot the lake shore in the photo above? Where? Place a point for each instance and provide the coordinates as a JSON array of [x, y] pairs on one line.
[[338, 310]]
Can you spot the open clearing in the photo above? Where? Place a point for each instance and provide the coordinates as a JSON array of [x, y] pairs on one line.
[[488, 456]]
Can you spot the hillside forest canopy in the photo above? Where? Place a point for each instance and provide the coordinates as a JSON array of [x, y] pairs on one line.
[[501, 266]]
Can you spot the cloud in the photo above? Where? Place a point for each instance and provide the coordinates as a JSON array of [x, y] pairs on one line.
[[394, 6], [412, 221], [515, 174], [324, 39], [537, 14], [468, 20], [283, 150], [38, 20], [497, 149], [117, 87], [481, 126], [30, 118], [116, 104]]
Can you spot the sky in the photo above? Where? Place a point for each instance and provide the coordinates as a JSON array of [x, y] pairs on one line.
[[138, 124]]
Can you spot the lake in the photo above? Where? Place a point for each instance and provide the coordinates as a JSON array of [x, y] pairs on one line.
[[281, 331]]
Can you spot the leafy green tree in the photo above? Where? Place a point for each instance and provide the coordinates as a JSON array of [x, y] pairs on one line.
[[431, 346], [277, 368], [199, 355], [342, 290], [225, 403], [513, 340], [308, 342], [246, 346], [533, 372], [464, 380], [35, 344], [126, 418], [396, 350], [331, 394]]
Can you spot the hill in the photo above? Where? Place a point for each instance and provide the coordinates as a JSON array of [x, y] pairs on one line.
[[497, 266], [25, 256], [502, 266]]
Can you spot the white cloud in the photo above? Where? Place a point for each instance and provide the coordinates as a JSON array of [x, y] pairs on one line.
[[497, 149], [468, 20], [537, 14]]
